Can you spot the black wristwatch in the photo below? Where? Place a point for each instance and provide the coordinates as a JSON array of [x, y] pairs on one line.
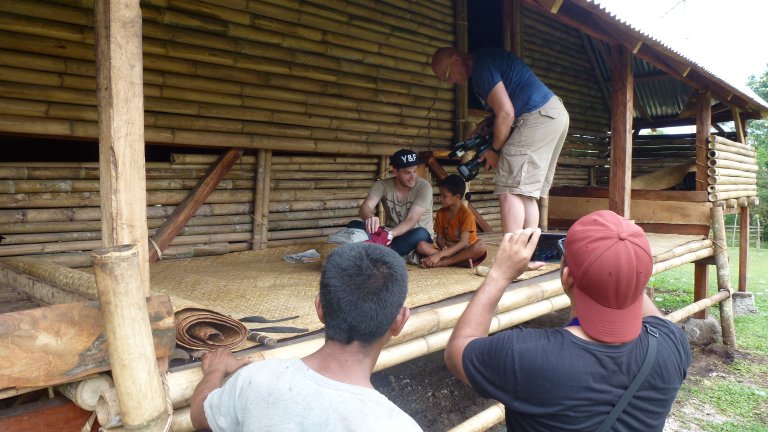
[[493, 149]]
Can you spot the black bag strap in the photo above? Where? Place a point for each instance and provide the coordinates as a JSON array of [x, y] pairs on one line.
[[650, 355]]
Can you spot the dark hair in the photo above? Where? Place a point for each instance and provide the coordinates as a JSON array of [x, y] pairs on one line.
[[455, 185], [362, 288]]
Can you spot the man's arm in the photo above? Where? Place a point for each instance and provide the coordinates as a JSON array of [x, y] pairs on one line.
[[504, 111], [511, 261], [217, 367], [368, 213], [649, 308], [414, 214]]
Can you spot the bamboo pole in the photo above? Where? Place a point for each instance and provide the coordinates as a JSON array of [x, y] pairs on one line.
[[683, 249], [690, 257], [726, 141], [713, 180], [720, 163], [719, 196], [258, 201], [735, 150], [85, 393], [731, 188], [482, 421], [723, 276], [266, 198], [316, 204], [140, 392], [722, 155], [727, 172]]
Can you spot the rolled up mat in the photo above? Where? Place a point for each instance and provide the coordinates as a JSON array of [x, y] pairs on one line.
[[205, 329]]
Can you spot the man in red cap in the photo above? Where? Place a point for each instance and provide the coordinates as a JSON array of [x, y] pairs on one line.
[[577, 378]]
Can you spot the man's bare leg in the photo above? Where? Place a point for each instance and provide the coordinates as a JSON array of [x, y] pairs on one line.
[[518, 212]]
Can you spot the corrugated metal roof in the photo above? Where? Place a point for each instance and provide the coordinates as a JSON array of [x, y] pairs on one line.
[[596, 5]]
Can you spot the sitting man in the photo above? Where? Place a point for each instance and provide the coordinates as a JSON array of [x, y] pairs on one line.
[[407, 200], [362, 291], [573, 378]]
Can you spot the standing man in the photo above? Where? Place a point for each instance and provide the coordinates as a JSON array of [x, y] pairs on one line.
[[362, 291], [524, 159], [407, 200], [570, 379]]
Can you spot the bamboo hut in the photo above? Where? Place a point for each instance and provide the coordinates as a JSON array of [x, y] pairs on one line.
[[159, 143]]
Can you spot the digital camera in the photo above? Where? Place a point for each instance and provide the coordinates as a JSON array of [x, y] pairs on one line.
[[480, 144]]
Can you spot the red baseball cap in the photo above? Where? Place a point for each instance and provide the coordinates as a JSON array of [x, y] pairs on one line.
[[610, 260]]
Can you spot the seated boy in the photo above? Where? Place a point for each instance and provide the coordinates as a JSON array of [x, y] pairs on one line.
[[457, 242]]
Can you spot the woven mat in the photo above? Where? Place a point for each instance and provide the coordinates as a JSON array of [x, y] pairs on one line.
[[262, 283]]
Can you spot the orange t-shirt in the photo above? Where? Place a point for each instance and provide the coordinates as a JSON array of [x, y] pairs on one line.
[[451, 228]]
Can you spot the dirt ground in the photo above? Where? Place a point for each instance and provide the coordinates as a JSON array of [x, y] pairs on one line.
[[437, 401]]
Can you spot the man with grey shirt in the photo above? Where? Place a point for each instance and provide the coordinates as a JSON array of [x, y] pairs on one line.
[[363, 288]]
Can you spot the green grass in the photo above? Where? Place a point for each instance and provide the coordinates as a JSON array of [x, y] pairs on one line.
[[736, 400]]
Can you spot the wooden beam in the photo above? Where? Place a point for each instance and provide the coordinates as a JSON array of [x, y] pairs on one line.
[[700, 286], [57, 414], [440, 173], [741, 135], [638, 194], [120, 99], [743, 247], [461, 91], [622, 89], [64, 342], [703, 128], [187, 208], [643, 211], [575, 17]]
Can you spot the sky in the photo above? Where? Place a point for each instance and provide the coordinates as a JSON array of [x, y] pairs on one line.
[[728, 38]]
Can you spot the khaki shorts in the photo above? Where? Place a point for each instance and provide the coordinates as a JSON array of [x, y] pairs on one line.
[[529, 157]]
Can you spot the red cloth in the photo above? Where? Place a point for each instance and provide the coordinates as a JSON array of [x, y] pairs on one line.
[[381, 237]]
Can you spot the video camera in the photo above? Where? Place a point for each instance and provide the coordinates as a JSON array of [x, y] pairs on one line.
[[480, 144]]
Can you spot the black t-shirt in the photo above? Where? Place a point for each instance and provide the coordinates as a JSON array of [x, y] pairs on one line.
[[551, 380]]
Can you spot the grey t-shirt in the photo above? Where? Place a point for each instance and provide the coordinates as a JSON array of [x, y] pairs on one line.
[[397, 210], [286, 395]]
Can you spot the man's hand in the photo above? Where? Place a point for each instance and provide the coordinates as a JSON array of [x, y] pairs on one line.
[[491, 160], [514, 253], [221, 361], [372, 224], [217, 366]]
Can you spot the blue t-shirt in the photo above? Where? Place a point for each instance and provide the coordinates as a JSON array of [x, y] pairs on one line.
[[551, 380], [525, 90]]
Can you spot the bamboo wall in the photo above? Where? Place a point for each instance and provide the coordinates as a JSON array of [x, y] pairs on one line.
[[329, 76], [52, 210]]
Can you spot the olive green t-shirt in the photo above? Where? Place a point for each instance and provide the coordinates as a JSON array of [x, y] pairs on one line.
[[397, 211]]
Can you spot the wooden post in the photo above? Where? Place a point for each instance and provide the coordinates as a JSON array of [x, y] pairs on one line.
[[733, 231], [703, 126], [743, 248], [462, 96], [622, 89], [265, 197], [120, 98], [383, 168], [196, 197], [258, 201], [126, 323], [723, 275], [700, 286]]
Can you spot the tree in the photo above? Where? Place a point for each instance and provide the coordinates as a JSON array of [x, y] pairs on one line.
[[758, 137]]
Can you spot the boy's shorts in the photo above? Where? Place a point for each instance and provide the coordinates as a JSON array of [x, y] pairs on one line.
[[529, 157]]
